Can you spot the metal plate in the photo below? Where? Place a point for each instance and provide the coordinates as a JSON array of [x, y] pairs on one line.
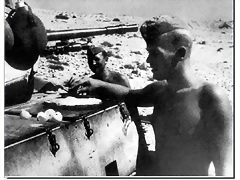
[[108, 151]]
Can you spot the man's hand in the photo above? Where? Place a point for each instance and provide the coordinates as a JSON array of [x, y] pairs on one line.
[[93, 87], [79, 86]]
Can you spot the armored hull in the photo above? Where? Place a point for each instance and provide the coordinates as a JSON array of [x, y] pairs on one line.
[[87, 143]]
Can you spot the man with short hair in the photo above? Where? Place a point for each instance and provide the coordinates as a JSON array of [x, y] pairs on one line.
[[97, 60], [192, 119]]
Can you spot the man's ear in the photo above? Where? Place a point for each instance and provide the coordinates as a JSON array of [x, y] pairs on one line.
[[180, 53], [179, 56]]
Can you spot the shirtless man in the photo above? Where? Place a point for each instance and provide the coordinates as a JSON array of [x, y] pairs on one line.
[[97, 60], [192, 119]]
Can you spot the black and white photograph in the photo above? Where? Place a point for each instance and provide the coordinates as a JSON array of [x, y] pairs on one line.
[[119, 88]]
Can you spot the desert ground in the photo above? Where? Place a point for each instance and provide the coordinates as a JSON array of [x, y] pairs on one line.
[[212, 56]]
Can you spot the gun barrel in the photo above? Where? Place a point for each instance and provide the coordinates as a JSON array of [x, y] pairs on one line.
[[79, 33]]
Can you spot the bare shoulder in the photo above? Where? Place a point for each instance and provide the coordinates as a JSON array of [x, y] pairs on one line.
[[121, 76], [213, 95], [118, 78], [215, 107]]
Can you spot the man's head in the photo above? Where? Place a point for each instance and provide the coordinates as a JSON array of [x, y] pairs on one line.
[[97, 58], [169, 44]]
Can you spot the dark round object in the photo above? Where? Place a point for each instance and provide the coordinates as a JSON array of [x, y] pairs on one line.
[[30, 39], [9, 38]]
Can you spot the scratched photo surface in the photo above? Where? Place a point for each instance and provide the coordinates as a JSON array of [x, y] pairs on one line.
[[97, 138]]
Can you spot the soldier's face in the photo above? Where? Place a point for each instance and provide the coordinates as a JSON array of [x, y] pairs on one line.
[[159, 59], [97, 62]]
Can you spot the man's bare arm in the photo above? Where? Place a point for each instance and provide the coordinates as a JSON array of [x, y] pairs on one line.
[[140, 97], [147, 96], [217, 114]]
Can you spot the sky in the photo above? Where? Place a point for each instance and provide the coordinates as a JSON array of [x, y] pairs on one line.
[[185, 9]]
